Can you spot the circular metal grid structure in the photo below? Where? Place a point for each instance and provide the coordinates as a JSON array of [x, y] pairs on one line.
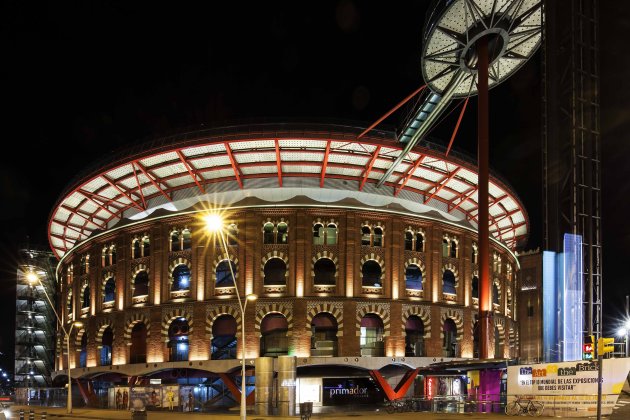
[[321, 161], [513, 29]]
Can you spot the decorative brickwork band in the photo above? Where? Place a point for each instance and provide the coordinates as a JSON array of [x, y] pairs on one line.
[[380, 309], [172, 314], [499, 323], [333, 308], [457, 315], [77, 339], [422, 312], [264, 308], [216, 311], [131, 321]]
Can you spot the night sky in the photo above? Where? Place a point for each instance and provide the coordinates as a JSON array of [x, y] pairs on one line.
[[80, 79]]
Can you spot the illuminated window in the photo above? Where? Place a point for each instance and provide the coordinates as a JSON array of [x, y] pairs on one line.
[[186, 239], [274, 341], [371, 336], [448, 282], [178, 340], [109, 290], [324, 335], [366, 236], [181, 278], [268, 234], [413, 277], [224, 275]]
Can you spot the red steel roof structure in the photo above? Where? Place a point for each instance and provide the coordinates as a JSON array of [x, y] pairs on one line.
[[194, 165]]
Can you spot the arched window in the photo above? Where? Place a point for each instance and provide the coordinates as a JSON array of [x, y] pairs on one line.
[[275, 272], [84, 264], [414, 336], [138, 348], [318, 234], [419, 242], [366, 236], [268, 233], [331, 234], [378, 236], [146, 246], [69, 306], [175, 244], [324, 335], [112, 254], [223, 274], [186, 239], [105, 257], [106, 347], [453, 249], [109, 290], [408, 241], [448, 282], [371, 338], [273, 340], [371, 271], [141, 284], [495, 293], [85, 299], [223, 344], [475, 254], [136, 249], [413, 277], [449, 344], [178, 340], [325, 271], [232, 235], [475, 287], [445, 250], [283, 233], [83, 351], [181, 278]]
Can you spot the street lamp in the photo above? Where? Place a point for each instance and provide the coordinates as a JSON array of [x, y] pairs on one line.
[[214, 224], [33, 279]]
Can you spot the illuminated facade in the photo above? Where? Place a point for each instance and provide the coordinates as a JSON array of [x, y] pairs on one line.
[[346, 273]]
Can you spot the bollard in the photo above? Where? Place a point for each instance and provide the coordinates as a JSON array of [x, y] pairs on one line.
[[31, 415], [21, 414], [44, 415]]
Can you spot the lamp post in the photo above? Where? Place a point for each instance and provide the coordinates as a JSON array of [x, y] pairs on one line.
[[33, 279], [214, 224]]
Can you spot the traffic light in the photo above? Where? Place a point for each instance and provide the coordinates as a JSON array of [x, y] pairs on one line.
[[588, 348], [605, 345]]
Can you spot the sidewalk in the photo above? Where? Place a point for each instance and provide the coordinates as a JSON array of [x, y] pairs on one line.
[[89, 413]]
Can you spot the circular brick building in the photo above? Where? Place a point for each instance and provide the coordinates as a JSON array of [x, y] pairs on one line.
[[347, 275]]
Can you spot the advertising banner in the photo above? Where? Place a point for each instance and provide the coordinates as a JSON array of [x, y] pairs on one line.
[[569, 388]]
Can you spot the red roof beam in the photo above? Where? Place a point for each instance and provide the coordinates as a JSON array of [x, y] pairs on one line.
[[325, 164], [155, 184], [133, 202], [135, 174], [369, 167], [443, 184], [190, 170], [407, 176], [234, 165]]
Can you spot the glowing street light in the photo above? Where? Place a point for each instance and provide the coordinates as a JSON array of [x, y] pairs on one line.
[[33, 279], [214, 224]]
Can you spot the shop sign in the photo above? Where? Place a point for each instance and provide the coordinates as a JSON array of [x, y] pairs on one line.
[[338, 391]]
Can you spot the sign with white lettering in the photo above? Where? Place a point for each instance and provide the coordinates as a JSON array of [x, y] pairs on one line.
[[337, 391], [569, 388]]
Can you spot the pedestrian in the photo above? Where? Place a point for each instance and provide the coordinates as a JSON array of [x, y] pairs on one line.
[[191, 404], [118, 399], [125, 401]]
